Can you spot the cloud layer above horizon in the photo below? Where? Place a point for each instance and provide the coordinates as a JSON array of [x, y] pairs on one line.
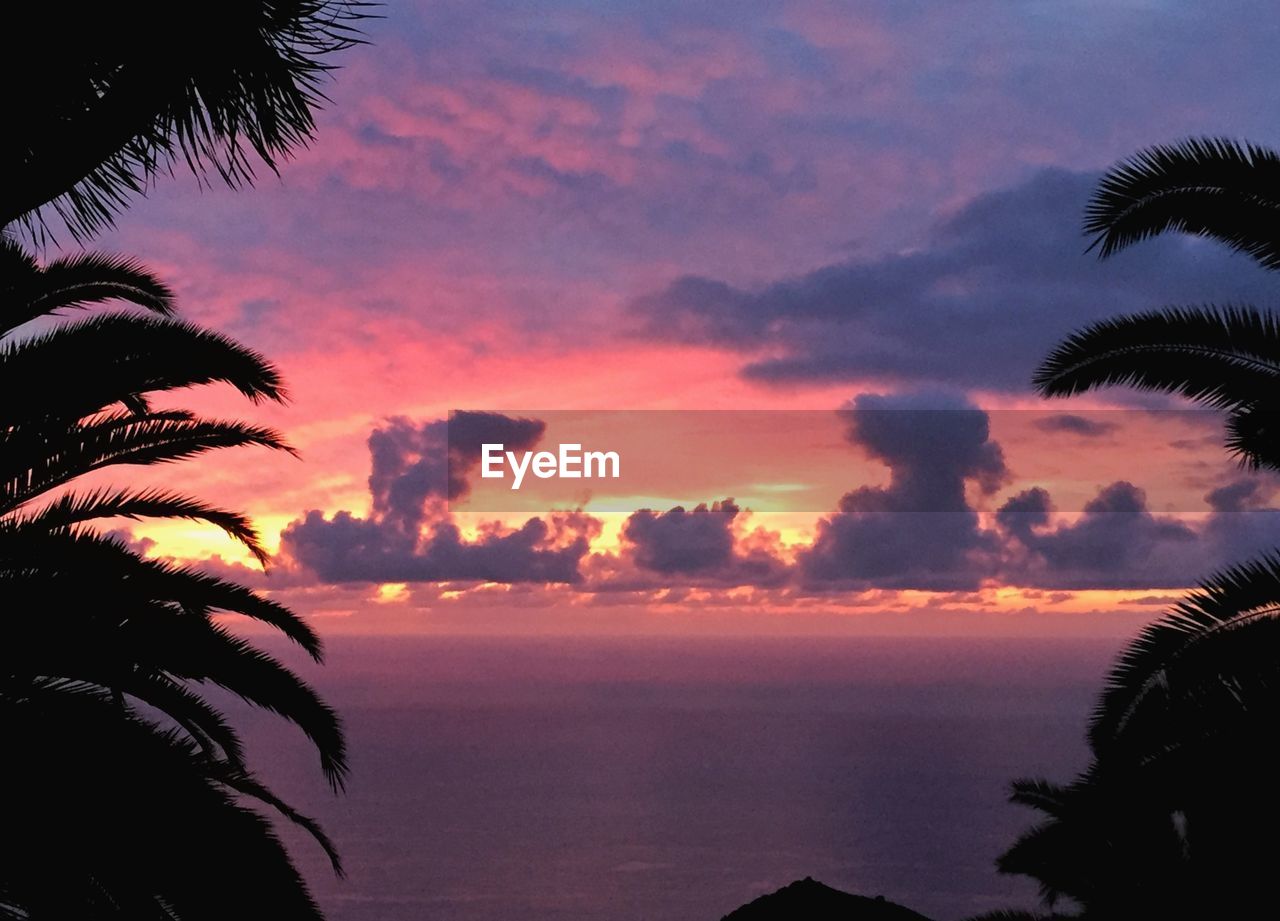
[[921, 531]]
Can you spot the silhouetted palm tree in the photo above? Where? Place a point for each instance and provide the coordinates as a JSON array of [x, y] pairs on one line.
[[126, 793], [1174, 815], [1227, 358], [106, 652], [1107, 845], [131, 89], [1202, 671], [108, 818]]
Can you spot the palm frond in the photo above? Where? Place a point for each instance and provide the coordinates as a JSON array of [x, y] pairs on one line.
[[40, 566], [203, 722], [1253, 433], [137, 92], [1189, 667], [259, 679], [1212, 187], [29, 291], [1052, 799], [1226, 358], [1048, 853], [33, 462], [63, 855], [70, 638], [73, 508], [86, 366], [243, 782]]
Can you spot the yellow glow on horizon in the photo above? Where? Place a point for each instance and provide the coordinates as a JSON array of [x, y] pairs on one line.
[[192, 540], [391, 593]]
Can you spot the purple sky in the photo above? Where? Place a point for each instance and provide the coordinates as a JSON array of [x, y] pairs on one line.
[[672, 204]]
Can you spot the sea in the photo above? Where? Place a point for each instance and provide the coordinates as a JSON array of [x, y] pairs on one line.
[[676, 778]]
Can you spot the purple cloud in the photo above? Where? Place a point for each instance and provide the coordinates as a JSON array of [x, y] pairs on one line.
[[409, 537], [919, 531], [993, 288], [698, 545], [1073, 424]]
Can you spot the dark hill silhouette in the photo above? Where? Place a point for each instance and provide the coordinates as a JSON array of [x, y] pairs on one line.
[[809, 900]]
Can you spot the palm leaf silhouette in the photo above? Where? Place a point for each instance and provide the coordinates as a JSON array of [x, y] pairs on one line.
[[1225, 358], [1166, 821], [1212, 187], [88, 769], [1198, 672], [138, 92], [29, 290], [71, 509], [110, 651]]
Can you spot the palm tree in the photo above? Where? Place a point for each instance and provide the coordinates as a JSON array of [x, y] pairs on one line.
[[1214, 643], [1108, 845], [107, 652], [1171, 818], [1227, 358], [108, 818], [137, 90], [102, 708]]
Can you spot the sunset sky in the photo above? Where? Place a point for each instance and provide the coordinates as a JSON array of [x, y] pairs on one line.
[[751, 206]]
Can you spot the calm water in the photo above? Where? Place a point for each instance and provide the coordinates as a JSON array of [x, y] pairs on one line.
[[631, 779]]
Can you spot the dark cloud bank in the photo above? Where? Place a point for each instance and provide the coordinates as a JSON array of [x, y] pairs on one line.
[[990, 292], [920, 531], [409, 536]]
